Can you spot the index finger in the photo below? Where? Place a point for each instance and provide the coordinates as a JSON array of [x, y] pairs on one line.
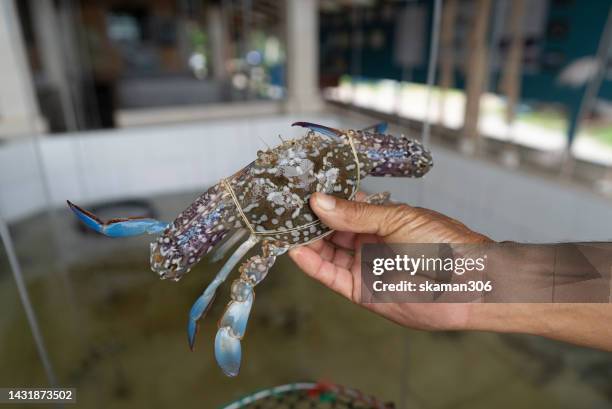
[[337, 278]]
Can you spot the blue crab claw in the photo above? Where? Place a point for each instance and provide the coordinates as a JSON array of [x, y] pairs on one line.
[[228, 352], [325, 130], [126, 227], [380, 127], [198, 309]]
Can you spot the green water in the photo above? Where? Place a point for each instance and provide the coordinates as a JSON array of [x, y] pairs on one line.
[[117, 333]]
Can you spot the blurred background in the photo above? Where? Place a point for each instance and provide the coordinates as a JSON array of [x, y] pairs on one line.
[[135, 107]]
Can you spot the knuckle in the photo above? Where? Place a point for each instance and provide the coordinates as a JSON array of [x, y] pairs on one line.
[[403, 209], [357, 210], [397, 216]]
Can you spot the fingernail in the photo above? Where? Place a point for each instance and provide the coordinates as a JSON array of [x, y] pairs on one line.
[[325, 202]]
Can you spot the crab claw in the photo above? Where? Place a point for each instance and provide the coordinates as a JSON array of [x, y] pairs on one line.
[[125, 227], [325, 130], [228, 352]]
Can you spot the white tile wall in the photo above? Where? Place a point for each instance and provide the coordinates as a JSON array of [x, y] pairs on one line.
[[137, 162]]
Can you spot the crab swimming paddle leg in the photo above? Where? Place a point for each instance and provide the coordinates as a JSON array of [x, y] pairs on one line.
[[125, 227], [204, 301], [233, 323]]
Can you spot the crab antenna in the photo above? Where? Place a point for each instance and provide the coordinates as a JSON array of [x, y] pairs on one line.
[[264, 142], [281, 138]]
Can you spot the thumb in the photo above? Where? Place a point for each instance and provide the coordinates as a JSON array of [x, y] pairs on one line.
[[358, 217]]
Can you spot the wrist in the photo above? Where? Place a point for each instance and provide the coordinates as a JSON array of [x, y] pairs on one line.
[[508, 318]]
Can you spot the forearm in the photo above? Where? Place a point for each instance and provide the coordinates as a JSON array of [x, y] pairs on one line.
[[582, 324]]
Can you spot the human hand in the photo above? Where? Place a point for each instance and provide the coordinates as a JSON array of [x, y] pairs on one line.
[[336, 260]]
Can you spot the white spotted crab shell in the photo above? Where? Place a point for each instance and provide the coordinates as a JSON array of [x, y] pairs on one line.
[[274, 190]]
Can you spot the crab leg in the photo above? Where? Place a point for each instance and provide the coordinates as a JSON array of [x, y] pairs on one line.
[[380, 127], [204, 301], [324, 130], [378, 198], [126, 227], [229, 243], [232, 325]]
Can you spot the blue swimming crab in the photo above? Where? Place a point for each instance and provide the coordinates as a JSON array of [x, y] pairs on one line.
[[268, 200]]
